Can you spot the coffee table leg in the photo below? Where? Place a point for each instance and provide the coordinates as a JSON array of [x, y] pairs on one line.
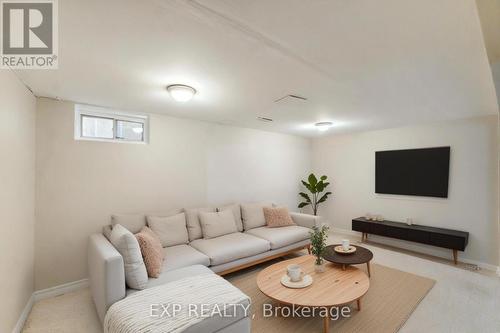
[[359, 304], [368, 266], [343, 267], [326, 322]]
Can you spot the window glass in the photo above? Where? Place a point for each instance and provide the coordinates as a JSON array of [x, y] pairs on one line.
[[128, 130], [97, 127]]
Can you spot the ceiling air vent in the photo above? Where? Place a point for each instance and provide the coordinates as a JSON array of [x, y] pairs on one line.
[[290, 97], [264, 119]]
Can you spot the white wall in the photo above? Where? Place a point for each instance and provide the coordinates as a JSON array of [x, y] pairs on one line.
[[17, 198], [349, 160], [186, 163]]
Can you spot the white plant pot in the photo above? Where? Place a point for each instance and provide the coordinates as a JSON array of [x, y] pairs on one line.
[[319, 268]]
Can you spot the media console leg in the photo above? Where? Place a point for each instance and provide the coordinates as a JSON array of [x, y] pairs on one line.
[[455, 256]]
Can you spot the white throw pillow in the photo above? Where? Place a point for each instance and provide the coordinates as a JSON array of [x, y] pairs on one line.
[[236, 209], [217, 224], [125, 242], [171, 230], [252, 214]]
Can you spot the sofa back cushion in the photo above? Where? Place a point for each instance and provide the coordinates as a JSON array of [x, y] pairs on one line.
[[124, 241], [277, 217], [171, 230], [193, 221], [217, 223], [152, 251], [252, 214], [236, 209], [131, 222]]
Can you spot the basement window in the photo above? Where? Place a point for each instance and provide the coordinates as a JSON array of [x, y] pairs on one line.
[[99, 124]]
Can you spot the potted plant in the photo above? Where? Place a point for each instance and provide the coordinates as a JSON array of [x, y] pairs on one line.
[[316, 188], [318, 244]]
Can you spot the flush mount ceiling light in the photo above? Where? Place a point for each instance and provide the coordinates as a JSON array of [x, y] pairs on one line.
[[181, 92], [323, 126]]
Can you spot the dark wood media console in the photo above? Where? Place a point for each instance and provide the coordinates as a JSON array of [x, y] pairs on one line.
[[446, 238]]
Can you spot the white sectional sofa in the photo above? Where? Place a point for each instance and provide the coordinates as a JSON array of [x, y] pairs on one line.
[[250, 245]]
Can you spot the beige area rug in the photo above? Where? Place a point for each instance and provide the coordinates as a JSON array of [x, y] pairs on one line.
[[391, 299]]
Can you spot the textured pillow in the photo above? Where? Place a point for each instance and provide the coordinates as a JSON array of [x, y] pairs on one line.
[[170, 229], [277, 217], [131, 222], [217, 224], [236, 209], [152, 251], [253, 215], [125, 242], [193, 221]]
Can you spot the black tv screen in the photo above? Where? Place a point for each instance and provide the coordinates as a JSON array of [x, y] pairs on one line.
[[420, 172]]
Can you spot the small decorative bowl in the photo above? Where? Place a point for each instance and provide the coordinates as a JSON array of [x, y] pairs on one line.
[[340, 249]]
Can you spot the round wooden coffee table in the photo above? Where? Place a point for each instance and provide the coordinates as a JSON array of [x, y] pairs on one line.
[[332, 288], [361, 256]]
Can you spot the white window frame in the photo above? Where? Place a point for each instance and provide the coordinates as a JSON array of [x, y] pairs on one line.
[[93, 111]]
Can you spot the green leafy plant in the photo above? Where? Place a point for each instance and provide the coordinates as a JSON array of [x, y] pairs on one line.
[[318, 242], [316, 188]]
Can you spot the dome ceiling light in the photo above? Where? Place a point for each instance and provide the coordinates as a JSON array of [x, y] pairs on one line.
[[323, 125], [181, 92]]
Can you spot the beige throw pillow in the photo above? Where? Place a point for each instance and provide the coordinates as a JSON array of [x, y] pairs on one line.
[[217, 224], [131, 222], [252, 215], [152, 251], [171, 230], [236, 209], [136, 275], [277, 217], [193, 221]]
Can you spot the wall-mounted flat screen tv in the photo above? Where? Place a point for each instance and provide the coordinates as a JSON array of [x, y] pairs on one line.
[[419, 172]]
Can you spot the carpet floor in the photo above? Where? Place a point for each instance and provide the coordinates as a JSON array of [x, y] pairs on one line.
[[392, 297]]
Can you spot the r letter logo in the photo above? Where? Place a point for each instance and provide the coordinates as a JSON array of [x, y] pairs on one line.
[[29, 34]]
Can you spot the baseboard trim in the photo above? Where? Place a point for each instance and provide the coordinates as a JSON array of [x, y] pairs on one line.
[[24, 315], [47, 293], [480, 264], [60, 290]]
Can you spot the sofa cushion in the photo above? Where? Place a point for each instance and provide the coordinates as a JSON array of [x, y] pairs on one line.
[[213, 323], [174, 275], [131, 222], [106, 231], [171, 230], [152, 251], [217, 223], [279, 237], [230, 247], [277, 217], [236, 209], [193, 221], [181, 256], [125, 242], [252, 215]]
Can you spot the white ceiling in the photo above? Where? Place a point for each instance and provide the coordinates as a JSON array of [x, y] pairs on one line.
[[362, 64]]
